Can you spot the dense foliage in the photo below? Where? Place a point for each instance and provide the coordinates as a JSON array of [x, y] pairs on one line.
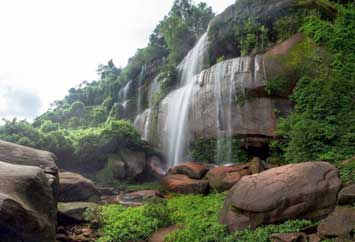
[[323, 124], [83, 146], [134, 223], [195, 215]]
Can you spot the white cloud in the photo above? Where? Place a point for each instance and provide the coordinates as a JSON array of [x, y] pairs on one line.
[[50, 46]]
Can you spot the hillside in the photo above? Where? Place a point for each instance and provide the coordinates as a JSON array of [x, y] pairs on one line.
[[249, 112]]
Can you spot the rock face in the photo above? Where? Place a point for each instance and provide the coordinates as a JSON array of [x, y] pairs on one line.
[[339, 223], [74, 188], [306, 190], [193, 170], [183, 184], [231, 94], [222, 27], [27, 205]]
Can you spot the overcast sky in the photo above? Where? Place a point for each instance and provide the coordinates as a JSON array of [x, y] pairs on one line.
[[49, 46]]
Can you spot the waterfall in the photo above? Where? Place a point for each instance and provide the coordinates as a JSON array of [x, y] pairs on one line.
[[142, 123], [123, 94], [228, 80], [177, 117], [140, 96], [154, 88]]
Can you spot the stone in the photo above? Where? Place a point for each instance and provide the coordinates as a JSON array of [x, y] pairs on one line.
[[291, 237], [222, 178], [118, 169], [193, 170], [340, 223], [156, 166], [137, 198], [256, 166], [22, 155], [27, 205], [76, 188], [74, 212], [183, 184], [314, 238], [347, 195], [305, 190], [135, 162]]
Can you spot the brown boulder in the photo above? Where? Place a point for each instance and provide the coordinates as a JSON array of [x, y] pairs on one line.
[[26, 156], [222, 178], [305, 190], [76, 188], [340, 223], [183, 184], [193, 170], [291, 237], [347, 195], [27, 206], [137, 198]]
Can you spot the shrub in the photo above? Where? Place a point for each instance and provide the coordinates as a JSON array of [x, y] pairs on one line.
[[122, 224], [262, 234], [322, 127], [198, 216]]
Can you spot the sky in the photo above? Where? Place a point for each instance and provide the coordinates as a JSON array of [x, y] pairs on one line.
[[49, 46]]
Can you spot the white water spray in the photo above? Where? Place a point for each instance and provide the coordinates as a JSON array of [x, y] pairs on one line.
[[177, 117]]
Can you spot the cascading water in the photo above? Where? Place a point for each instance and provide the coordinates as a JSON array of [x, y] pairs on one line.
[[123, 95], [140, 96], [178, 109], [226, 81]]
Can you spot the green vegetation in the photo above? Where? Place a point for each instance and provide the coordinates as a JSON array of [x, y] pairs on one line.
[[198, 217], [252, 37], [212, 150], [322, 127], [195, 215], [122, 224]]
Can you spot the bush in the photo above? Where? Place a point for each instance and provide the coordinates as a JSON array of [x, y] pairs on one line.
[[122, 224], [322, 127], [198, 216], [262, 234]]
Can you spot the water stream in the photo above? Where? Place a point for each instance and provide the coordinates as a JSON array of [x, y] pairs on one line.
[[177, 117]]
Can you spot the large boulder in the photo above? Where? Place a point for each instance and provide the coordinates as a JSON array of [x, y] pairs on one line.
[[22, 155], [135, 162], [76, 188], [306, 190], [137, 198], [193, 170], [27, 205], [347, 195], [179, 183], [75, 212], [340, 223], [222, 178]]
